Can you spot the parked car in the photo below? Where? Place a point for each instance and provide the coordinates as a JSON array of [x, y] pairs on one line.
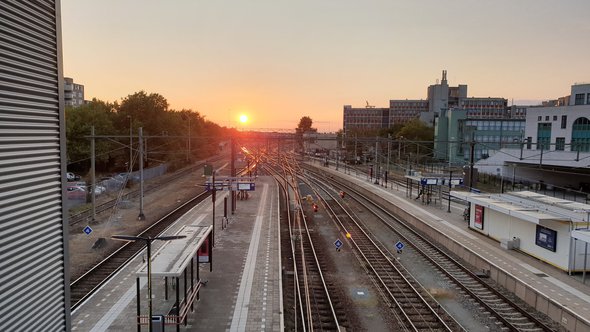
[[75, 192], [72, 177], [98, 189]]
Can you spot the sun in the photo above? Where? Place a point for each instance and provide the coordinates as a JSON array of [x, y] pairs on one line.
[[243, 118]]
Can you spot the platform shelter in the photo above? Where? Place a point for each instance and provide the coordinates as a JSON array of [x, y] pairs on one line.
[[429, 187], [550, 229], [177, 263]]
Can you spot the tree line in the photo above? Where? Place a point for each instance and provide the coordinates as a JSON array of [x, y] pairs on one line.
[[167, 131]]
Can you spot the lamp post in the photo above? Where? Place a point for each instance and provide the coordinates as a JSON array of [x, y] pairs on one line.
[[148, 241]]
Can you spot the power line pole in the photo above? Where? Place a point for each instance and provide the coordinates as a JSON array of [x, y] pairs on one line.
[[471, 162], [93, 172], [141, 216]]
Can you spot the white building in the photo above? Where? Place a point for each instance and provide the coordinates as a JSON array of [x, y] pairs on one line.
[[550, 229], [561, 128]]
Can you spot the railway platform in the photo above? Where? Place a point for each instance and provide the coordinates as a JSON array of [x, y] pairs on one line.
[[242, 292], [562, 297]]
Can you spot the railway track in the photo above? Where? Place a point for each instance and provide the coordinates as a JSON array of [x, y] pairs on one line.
[[510, 315], [413, 307], [308, 296]]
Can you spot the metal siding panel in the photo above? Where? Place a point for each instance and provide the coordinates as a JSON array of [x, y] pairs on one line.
[[34, 285]]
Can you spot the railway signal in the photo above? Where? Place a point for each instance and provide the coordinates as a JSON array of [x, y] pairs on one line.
[[399, 246], [338, 244], [315, 207], [342, 194]]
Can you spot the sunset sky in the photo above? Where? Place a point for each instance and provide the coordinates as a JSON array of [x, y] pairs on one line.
[[276, 61]]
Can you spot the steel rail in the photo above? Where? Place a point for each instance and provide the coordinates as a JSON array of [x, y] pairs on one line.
[[421, 244], [358, 235], [306, 262]]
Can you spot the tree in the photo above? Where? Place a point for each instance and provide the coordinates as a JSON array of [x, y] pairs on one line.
[[304, 126], [147, 111], [421, 136], [79, 119], [416, 130]]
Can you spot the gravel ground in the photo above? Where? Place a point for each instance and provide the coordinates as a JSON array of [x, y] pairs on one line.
[[366, 310]]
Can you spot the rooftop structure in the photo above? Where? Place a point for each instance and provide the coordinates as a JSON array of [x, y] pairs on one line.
[[73, 93]]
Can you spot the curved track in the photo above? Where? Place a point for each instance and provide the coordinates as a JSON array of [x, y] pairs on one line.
[[310, 295]]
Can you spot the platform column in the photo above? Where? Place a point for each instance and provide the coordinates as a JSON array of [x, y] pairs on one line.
[[177, 305], [138, 305], [192, 283]]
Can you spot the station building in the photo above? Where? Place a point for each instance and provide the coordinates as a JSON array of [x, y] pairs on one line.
[[553, 230]]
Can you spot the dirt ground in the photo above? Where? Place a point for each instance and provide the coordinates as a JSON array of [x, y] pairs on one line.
[[124, 221]]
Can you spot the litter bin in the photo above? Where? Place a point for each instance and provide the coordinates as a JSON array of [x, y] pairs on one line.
[[158, 323]]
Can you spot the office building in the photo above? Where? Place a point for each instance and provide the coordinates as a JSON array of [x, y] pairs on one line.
[[73, 93], [366, 119]]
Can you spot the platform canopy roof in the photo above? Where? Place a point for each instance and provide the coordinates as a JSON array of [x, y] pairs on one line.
[[582, 234], [530, 206], [172, 258]]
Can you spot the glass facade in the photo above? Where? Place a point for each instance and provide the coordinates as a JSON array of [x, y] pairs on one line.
[[490, 135]]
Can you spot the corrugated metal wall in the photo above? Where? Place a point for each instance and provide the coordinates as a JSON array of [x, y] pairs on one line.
[[34, 287]]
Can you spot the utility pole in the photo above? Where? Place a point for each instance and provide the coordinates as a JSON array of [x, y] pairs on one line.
[[471, 161], [388, 156], [93, 172], [233, 174], [141, 216], [130, 144], [213, 197], [355, 156], [376, 160], [450, 186]]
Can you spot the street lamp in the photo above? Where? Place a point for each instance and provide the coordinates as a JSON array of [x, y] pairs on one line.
[[148, 241]]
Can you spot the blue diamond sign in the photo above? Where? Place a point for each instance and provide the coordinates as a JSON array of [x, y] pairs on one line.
[[87, 230], [399, 245], [338, 244]]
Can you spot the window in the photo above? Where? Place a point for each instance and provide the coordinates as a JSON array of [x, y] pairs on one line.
[[543, 136], [560, 144], [540, 118], [546, 117], [579, 99], [563, 121], [581, 135], [588, 99], [555, 118]]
